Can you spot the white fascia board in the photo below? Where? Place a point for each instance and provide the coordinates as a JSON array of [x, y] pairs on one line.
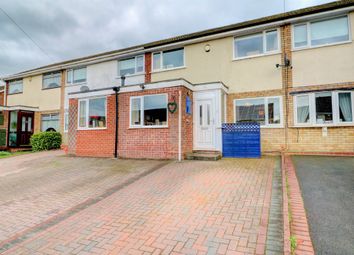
[[19, 108]]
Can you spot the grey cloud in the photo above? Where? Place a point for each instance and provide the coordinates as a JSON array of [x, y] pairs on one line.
[[72, 28]]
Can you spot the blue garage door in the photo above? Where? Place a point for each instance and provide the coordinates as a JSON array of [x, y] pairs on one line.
[[241, 140]]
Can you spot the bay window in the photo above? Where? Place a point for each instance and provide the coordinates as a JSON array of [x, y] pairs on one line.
[[92, 113], [15, 87], [168, 59], [324, 108], [131, 66], [51, 80], [257, 44], [148, 111], [264, 110], [322, 32], [76, 75]]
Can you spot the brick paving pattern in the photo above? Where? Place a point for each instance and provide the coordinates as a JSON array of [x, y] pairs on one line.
[[45, 185], [299, 226], [182, 208]]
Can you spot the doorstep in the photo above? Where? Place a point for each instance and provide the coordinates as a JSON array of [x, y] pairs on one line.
[[204, 155]]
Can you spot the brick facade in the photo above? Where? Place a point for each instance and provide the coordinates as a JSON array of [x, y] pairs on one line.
[[92, 143], [155, 142], [2, 98]]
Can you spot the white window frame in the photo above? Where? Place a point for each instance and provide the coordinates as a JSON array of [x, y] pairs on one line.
[[15, 81], [52, 74], [265, 52], [87, 114], [308, 28], [66, 117], [335, 110], [136, 66], [50, 116], [72, 76], [266, 120], [161, 60], [142, 112]]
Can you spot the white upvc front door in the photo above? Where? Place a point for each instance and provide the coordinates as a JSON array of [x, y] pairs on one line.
[[205, 124]]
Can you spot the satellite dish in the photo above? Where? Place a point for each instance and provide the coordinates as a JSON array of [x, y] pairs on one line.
[[84, 88]]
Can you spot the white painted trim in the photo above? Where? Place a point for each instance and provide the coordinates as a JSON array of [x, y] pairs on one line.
[[266, 125], [87, 113], [308, 28], [18, 108], [142, 112], [335, 110], [154, 85], [179, 125]]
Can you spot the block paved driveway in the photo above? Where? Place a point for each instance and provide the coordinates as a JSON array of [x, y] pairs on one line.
[[179, 208]]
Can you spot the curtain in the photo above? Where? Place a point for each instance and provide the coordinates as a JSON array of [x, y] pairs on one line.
[[345, 106], [302, 114]]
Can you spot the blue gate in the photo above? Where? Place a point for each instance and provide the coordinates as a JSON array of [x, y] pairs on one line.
[[241, 140]]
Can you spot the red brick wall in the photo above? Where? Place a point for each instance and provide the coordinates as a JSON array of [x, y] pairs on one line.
[[2, 98], [92, 143], [161, 143], [148, 67]]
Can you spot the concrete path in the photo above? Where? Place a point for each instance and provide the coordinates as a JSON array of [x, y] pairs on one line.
[[182, 208], [327, 185]]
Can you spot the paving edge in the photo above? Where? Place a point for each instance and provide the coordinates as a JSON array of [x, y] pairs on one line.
[[299, 227], [286, 220], [20, 237]]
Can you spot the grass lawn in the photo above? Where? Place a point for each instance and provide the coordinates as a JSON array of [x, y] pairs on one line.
[[6, 154]]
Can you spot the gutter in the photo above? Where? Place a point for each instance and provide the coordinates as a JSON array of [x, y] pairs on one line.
[[143, 49]]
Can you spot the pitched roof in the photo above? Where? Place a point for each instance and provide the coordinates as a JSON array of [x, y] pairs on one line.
[[250, 23]]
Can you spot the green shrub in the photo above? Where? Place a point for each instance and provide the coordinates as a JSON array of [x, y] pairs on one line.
[[46, 141]]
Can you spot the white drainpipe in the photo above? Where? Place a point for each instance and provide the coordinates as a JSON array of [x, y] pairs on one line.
[[180, 125]]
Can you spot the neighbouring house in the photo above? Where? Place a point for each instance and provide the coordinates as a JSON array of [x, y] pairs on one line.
[[292, 72]]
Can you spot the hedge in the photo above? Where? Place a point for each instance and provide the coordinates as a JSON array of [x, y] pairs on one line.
[[46, 141]]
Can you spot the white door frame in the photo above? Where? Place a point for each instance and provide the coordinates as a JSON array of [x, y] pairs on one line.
[[215, 98]]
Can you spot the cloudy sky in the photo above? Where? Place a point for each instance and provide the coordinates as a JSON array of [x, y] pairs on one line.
[[67, 29]]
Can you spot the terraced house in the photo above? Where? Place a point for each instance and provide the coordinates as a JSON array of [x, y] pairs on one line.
[[293, 73]]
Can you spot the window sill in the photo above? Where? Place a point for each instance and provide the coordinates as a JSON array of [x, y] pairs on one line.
[[10, 94], [319, 46], [51, 88], [272, 126], [76, 84], [89, 129], [142, 127], [168, 69], [257, 56], [130, 75], [324, 125]]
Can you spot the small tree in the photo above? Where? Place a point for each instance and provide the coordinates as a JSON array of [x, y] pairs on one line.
[[46, 141]]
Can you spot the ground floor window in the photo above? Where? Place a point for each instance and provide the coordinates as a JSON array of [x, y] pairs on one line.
[[267, 111], [323, 108], [92, 113], [150, 110], [50, 122]]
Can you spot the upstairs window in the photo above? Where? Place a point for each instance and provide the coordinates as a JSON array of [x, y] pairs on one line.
[[323, 32], [76, 75], [148, 111], [15, 87], [168, 59], [131, 66], [264, 110], [257, 44], [51, 80]]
